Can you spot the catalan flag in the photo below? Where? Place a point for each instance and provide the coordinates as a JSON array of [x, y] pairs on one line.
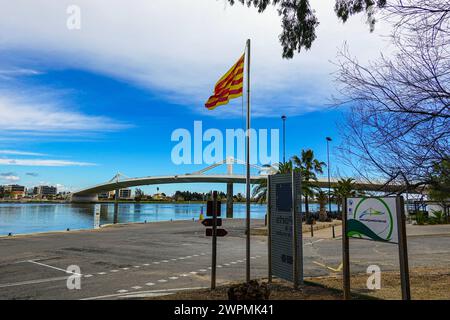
[[230, 86]]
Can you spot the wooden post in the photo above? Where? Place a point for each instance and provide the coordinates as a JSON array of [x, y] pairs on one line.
[[345, 253], [269, 232], [403, 249]]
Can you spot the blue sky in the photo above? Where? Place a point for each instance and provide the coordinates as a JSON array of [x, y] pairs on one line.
[[80, 105]]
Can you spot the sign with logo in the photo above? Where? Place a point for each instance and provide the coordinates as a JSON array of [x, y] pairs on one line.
[[372, 219], [379, 219]]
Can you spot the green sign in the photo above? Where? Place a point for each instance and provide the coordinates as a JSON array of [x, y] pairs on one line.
[[372, 219]]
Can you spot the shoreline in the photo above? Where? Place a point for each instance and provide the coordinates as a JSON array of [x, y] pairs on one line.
[[105, 227]]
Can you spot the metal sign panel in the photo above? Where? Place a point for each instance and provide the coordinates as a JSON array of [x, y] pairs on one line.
[[282, 253], [372, 219]]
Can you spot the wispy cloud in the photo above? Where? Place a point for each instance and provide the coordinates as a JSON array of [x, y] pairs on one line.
[[9, 177], [49, 117], [182, 64], [43, 163], [32, 174], [21, 153]]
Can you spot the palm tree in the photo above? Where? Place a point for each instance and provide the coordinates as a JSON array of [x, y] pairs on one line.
[[259, 192], [344, 188], [322, 199], [308, 167]]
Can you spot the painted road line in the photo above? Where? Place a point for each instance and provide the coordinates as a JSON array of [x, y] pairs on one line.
[[88, 275], [149, 284], [173, 278], [122, 291], [136, 287], [338, 269], [226, 264], [165, 261], [137, 267], [181, 258], [52, 267], [202, 270], [146, 264], [156, 262], [193, 272], [114, 271], [184, 275], [125, 268], [22, 283], [149, 292], [162, 280], [101, 273]]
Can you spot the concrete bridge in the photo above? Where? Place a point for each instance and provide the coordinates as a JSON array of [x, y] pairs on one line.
[[90, 194]]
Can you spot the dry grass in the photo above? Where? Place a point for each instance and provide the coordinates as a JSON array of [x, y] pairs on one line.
[[426, 284]]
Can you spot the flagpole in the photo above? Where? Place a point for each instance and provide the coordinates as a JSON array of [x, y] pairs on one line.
[[248, 168]]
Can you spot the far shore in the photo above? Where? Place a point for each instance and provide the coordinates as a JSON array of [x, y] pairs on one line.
[[25, 201]]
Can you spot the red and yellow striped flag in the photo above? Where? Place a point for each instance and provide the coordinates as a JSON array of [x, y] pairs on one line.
[[230, 86]]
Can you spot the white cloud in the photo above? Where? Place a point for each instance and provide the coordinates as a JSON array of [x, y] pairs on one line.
[[182, 47], [9, 177], [18, 114], [20, 153], [43, 163]]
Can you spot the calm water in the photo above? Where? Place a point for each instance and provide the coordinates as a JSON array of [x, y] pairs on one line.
[[31, 217]]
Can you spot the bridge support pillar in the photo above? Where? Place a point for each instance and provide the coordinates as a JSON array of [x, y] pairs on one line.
[[116, 206], [229, 200]]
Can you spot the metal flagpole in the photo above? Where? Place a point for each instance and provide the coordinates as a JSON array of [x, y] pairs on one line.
[[248, 168]]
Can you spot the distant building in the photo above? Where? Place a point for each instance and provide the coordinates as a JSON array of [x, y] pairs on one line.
[[123, 194], [14, 191], [45, 191], [104, 195]]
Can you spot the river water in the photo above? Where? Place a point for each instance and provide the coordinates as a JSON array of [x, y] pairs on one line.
[[19, 218]]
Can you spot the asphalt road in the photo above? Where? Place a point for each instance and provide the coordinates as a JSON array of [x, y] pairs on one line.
[[157, 258]]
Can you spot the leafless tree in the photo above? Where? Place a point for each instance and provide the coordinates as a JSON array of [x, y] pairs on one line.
[[398, 126]]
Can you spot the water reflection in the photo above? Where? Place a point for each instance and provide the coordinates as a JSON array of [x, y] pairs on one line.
[[38, 217]]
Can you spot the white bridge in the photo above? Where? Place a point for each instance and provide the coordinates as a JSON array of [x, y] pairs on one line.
[[90, 194]]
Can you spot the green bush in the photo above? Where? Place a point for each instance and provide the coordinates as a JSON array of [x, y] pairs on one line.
[[439, 217]]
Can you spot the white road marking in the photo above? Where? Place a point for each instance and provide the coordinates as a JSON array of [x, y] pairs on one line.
[[219, 266], [149, 284], [125, 268], [101, 273], [233, 262], [137, 267], [136, 287], [226, 264], [88, 275], [184, 275], [202, 270], [165, 261], [188, 257], [195, 255], [173, 278], [52, 267], [142, 292], [193, 272], [240, 261], [181, 258], [33, 282], [156, 262], [114, 271], [122, 291], [162, 280], [146, 264]]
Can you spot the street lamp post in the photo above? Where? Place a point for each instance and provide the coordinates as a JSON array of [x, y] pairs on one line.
[[283, 117], [329, 182]]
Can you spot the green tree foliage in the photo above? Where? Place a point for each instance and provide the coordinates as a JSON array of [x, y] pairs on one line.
[[299, 21], [344, 188], [309, 167]]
